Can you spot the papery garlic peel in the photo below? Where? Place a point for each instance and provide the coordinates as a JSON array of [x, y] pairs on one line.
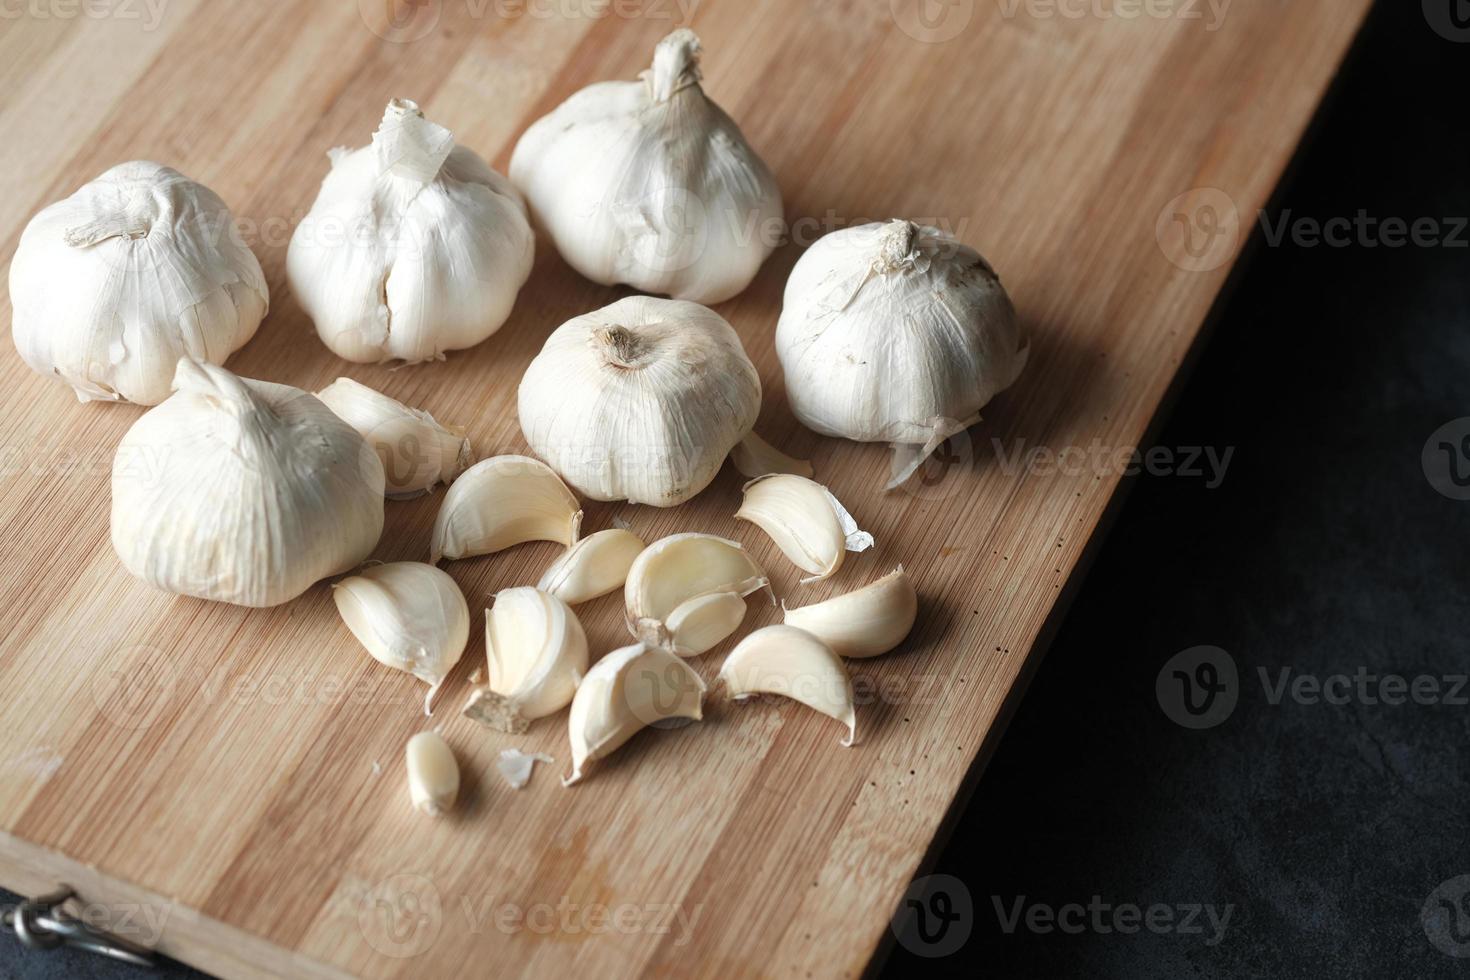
[[433, 774], [501, 502], [792, 663], [755, 457], [808, 524], [866, 622], [593, 567], [672, 581], [417, 452], [536, 652]]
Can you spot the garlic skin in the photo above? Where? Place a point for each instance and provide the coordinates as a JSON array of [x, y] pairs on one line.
[[593, 567], [866, 622], [501, 502], [413, 247], [140, 267], [242, 491], [536, 653], [417, 452], [624, 692], [409, 616], [754, 457], [433, 774], [667, 599], [640, 401], [808, 524], [892, 332], [651, 184], [792, 663]]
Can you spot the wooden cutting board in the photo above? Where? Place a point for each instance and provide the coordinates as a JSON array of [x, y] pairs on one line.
[[235, 776]]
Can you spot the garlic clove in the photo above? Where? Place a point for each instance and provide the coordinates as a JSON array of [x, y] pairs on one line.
[[792, 663], [409, 616], [865, 622], [502, 502], [623, 693], [433, 774], [536, 651], [673, 570], [698, 625], [417, 452], [807, 523], [754, 457], [593, 567]]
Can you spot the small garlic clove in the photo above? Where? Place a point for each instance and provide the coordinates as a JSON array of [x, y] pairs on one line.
[[698, 625], [417, 452], [410, 616], [433, 775], [865, 622], [681, 567], [792, 663], [502, 502], [807, 523], [754, 457], [593, 567], [536, 652], [624, 692]]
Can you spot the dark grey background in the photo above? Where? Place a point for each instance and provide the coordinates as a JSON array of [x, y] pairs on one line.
[[1326, 549]]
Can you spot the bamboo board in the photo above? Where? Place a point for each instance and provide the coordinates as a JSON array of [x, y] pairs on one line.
[[236, 775]]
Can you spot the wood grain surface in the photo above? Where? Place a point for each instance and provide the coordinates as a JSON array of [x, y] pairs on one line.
[[235, 776]]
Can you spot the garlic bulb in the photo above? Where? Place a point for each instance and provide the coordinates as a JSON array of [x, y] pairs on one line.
[[593, 567], [651, 184], [792, 663], [242, 491], [686, 592], [501, 502], [896, 333], [417, 452], [808, 524], [865, 622], [410, 616], [137, 269], [433, 774], [413, 247], [640, 401], [536, 652]]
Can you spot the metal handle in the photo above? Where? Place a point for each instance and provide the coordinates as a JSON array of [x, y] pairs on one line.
[[42, 923]]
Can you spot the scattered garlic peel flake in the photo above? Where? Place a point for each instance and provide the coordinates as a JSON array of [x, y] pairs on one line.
[[515, 766]]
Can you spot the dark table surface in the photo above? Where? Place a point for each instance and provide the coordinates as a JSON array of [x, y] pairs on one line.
[[1303, 824]]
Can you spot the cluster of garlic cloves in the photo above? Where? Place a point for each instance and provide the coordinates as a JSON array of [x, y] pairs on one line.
[[417, 452]]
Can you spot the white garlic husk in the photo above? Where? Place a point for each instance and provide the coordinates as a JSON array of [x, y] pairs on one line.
[[409, 616], [640, 401], [892, 332], [413, 247], [536, 654], [651, 184], [140, 267], [417, 452], [242, 491]]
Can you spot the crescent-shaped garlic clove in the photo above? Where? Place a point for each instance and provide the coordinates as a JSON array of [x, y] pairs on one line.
[[681, 567], [866, 622], [593, 567], [433, 774], [417, 452], [807, 523], [536, 654], [792, 663], [502, 502], [754, 457], [624, 692], [700, 624], [409, 616]]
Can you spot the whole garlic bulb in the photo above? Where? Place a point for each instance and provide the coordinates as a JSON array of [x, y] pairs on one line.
[[137, 269], [650, 183], [895, 333], [413, 247], [640, 401], [242, 491]]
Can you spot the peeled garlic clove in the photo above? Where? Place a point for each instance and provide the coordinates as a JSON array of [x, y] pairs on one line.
[[865, 622], [807, 523], [650, 183], [413, 247], [433, 775], [640, 401], [242, 491], [673, 570], [893, 332], [137, 269], [592, 567], [700, 624], [625, 691], [536, 652], [754, 457], [501, 502], [417, 452], [410, 616], [792, 663]]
